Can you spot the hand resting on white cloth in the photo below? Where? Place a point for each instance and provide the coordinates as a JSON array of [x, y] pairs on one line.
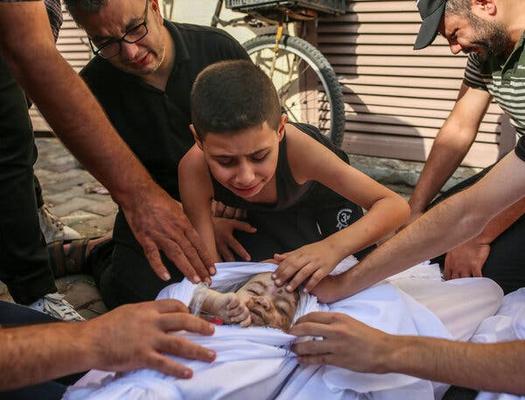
[[255, 362]]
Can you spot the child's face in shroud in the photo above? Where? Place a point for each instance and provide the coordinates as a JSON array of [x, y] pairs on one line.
[[268, 304], [244, 162]]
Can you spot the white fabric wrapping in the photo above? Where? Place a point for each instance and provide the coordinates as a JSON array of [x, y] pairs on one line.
[[255, 363], [508, 324]]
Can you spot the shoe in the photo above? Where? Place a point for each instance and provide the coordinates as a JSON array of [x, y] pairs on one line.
[[53, 304], [54, 229]]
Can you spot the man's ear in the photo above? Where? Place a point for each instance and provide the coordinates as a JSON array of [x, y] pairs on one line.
[[198, 140], [282, 125], [484, 7], [155, 6]]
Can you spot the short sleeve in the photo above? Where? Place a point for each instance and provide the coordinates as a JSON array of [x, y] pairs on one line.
[[473, 76]]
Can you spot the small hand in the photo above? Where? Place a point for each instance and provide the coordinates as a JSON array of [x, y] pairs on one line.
[[311, 262], [347, 343], [232, 310], [226, 242], [466, 260], [159, 224]]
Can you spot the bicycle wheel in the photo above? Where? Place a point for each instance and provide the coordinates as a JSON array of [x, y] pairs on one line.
[[305, 81]]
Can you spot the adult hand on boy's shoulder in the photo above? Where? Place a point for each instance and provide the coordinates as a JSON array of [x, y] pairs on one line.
[[227, 244], [310, 264]]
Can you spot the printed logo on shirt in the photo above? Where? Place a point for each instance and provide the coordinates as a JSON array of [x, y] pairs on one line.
[[343, 218]]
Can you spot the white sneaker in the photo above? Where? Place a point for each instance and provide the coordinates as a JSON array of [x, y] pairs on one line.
[[54, 229], [53, 304]]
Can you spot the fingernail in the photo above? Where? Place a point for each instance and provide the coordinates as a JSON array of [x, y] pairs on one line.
[[289, 288], [213, 271], [277, 281], [274, 276], [187, 373], [211, 354], [196, 279], [305, 290], [166, 276]]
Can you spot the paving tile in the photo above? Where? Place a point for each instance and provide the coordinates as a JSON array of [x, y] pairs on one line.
[[76, 203]]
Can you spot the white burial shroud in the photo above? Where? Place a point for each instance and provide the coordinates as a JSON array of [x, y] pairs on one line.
[[256, 363]]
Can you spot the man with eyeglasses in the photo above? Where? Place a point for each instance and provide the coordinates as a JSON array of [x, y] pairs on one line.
[[129, 337], [142, 74]]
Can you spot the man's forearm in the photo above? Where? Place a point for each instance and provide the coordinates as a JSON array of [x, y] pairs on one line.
[[445, 226], [78, 119], [501, 222], [451, 145], [449, 149], [490, 367], [61, 349]]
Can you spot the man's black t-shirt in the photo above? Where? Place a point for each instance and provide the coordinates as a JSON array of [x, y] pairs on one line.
[[155, 123]]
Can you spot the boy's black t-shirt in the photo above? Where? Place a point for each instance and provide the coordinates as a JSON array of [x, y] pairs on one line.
[[155, 123]]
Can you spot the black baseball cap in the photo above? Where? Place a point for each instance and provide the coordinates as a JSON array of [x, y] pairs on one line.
[[431, 12]]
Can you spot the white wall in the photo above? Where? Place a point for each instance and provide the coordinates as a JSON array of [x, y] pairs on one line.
[[200, 12]]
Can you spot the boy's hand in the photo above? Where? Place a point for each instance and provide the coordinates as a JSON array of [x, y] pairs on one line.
[[227, 243], [309, 263]]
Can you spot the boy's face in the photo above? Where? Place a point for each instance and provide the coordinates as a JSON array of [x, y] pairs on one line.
[[268, 304], [245, 161]]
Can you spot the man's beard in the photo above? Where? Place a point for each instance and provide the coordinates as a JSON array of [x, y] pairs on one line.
[[491, 37]]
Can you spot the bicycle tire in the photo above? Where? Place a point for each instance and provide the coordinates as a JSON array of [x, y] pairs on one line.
[[334, 126]]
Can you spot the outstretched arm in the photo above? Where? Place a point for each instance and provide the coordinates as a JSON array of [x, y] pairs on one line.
[[129, 337], [196, 193], [351, 344], [157, 221], [386, 211], [450, 223], [450, 146]]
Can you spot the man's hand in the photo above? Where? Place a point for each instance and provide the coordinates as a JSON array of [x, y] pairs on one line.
[[466, 260], [137, 336], [311, 262], [327, 290], [159, 224], [225, 241], [347, 343]]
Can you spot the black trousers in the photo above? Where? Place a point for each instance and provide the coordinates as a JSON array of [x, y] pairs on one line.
[[123, 275], [505, 264], [23, 256]]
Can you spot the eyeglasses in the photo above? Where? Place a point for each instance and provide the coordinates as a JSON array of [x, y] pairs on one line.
[[113, 47]]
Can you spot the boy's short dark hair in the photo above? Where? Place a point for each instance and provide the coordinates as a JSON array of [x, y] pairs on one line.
[[233, 95]]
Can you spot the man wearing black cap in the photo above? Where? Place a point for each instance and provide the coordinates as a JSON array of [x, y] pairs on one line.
[[494, 367], [490, 31]]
